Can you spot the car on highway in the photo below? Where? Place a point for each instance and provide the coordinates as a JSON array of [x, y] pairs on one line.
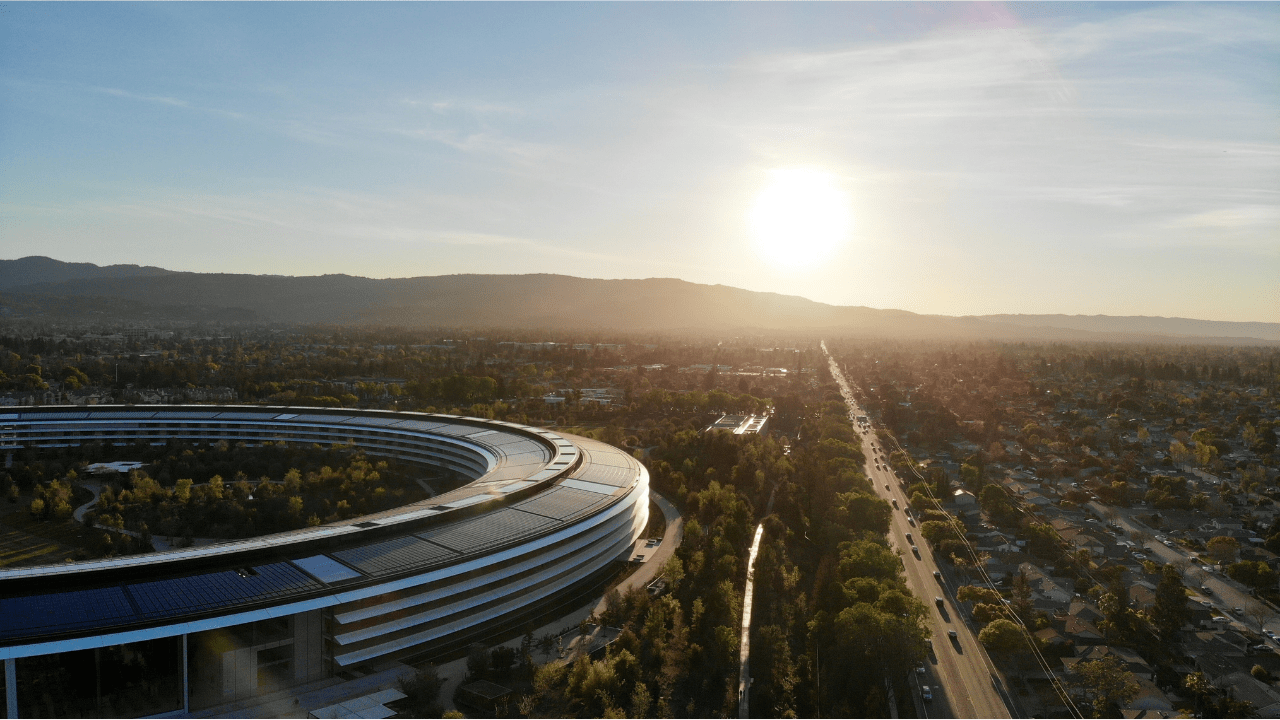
[[911, 539], [1237, 611], [1168, 543], [926, 693], [937, 576], [916, 551], [1206, 603], [895, 504], [920, 669], [953, 635], [1139, 556], [886, 486], [938, 601], [911, 521], [1205, 589]]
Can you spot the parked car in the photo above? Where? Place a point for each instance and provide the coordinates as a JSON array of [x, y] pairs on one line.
[[1205, 589]]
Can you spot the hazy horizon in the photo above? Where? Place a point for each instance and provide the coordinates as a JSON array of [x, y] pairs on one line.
[[943, 158]]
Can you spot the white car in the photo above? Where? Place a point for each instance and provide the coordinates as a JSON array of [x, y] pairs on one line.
[[1140, 556]]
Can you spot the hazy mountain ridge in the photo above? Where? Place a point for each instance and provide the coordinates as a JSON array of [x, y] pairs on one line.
[[39, 269], [541, 301]]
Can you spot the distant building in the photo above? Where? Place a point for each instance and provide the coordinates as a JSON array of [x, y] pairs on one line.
[[741, 424]]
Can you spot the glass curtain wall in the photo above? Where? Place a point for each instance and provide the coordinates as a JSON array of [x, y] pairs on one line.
[[129, 680], [244, 661]]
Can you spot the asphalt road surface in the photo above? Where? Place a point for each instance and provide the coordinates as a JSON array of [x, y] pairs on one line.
[[1224, 595], [958, 671]]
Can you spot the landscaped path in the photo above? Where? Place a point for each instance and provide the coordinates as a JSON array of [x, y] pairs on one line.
[[744, 651]]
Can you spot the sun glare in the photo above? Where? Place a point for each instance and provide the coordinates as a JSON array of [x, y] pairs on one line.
[[800, 217]]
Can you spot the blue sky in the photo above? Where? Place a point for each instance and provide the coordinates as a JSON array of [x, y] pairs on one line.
[[1116, 158]]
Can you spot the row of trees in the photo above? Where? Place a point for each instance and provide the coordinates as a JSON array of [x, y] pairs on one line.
[[245, 507], [833, 617]]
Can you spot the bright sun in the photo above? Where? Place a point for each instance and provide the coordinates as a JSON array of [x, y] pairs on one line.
[[800, 217]]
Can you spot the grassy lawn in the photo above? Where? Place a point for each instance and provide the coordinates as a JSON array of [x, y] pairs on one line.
[[26, 542]]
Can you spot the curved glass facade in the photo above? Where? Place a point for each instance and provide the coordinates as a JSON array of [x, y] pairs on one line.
[[543, 512]]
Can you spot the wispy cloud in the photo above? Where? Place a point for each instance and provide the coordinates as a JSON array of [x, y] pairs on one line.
[[146, 98]]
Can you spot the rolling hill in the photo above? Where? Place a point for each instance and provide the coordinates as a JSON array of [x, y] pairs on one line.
[[34, 286]]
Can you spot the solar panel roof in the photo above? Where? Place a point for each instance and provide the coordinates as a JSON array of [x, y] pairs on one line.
[[560, 503], [244, 416], [419, 425], [373, 420], [326, 569], [55, 416], [396, 555], [604, 474], [589, 486], [315, 417], [218, 590], [64, 611], [492, 529]]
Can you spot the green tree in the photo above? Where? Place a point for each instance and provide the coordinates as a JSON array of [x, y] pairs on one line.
[[1002, 636], [1169, 612], [1222, 549], [423, 691], [1255, 574], [1105, 684], [1199, 686], [1021, 602]]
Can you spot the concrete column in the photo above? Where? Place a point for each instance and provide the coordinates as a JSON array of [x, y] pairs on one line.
[[11, 686], [186, 681]]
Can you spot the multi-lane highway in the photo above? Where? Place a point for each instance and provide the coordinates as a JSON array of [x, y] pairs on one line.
[[959, 673]]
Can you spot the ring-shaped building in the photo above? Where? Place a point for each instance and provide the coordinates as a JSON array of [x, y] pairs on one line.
[[180, 631]]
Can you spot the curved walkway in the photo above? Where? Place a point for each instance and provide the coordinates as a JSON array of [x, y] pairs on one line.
[[94, 487]]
